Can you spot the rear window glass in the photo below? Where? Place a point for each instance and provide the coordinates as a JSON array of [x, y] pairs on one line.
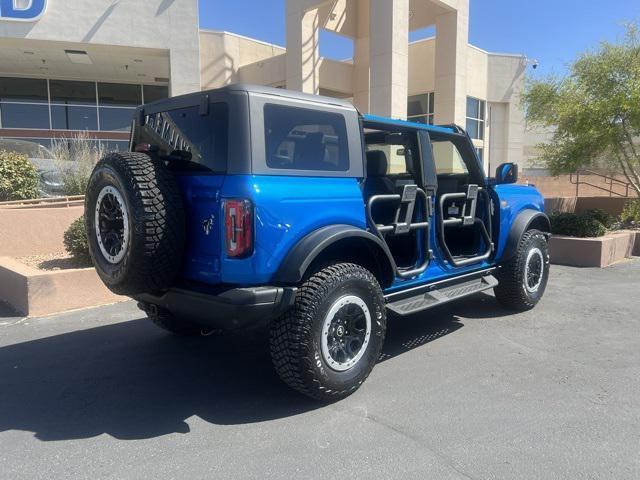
[[197, 140], [305, 139]]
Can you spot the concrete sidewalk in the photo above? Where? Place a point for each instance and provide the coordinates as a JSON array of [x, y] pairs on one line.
[[465, 391]]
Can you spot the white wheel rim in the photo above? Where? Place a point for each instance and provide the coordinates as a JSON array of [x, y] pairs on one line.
[[533, 279], [110, 255], [331, 332]]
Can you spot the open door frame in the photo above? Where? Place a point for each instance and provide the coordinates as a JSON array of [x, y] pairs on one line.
[[468, 219], [406, 201]]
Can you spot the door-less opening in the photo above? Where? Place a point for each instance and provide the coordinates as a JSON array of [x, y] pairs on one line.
[[398, 207], [463, 205]]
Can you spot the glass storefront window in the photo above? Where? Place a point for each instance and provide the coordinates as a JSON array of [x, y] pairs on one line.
[[420, 108], [74, 118], [27, 103], [72, 93], [475, 118], [23, 90], [24, 115], [155, 92], [119, 94], [113, 119]]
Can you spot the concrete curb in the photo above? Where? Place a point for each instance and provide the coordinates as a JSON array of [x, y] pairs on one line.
[[32, 292], [594, 252]]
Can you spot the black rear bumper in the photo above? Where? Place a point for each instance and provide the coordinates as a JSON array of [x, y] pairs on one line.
[[226, 309]]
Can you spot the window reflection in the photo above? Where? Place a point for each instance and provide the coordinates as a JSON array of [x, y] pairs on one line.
[[119, 94], [114, 119], [475, 118], [74, 118], [72, 93], [42, 104], [17, 115], [155, 92], [23, 90]]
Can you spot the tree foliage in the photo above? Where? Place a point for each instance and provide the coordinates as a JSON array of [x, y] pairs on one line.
[[594, 111]]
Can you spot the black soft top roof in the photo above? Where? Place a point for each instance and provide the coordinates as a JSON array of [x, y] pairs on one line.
[[258, 89]]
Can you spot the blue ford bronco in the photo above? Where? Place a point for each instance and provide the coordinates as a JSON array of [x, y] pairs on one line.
[[250, 205]]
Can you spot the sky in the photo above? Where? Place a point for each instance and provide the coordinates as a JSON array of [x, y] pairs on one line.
[[553, 32]]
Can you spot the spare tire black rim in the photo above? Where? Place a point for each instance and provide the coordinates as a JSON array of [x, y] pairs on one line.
[[111, 224]]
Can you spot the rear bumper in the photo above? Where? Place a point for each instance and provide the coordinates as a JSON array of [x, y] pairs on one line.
[[227, 309]]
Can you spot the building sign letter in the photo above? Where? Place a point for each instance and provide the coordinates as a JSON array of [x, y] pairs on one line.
[[22, 10]]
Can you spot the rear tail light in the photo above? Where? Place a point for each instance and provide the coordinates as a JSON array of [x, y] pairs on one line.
[[238, 223]]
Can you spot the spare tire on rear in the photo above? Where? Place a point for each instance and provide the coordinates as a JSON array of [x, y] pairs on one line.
[[135, 223]]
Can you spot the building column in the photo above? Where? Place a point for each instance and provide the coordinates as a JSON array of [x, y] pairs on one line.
[[361, 65], [389, 57], [303, 52], [452, 38]]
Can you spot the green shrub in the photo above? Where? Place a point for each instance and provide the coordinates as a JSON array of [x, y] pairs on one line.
[[75, 242], [631, 212], [18, 177], [601, 216], [576, 225]]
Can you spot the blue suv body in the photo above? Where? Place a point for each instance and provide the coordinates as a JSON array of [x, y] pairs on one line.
[[277, 188]]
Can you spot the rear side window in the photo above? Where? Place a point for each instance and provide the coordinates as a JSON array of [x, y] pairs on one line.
[[192, 139], [305, 139]]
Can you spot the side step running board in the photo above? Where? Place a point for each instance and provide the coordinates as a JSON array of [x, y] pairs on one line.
[[442, 295]]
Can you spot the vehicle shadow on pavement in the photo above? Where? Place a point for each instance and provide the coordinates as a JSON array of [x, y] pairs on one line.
[[130, 380], [413, 331]]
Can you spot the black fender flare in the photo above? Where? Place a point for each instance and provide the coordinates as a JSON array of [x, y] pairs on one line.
[[301, 256], [525, 220]]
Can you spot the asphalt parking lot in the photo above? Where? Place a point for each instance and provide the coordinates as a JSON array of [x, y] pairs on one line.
[[466, 391]]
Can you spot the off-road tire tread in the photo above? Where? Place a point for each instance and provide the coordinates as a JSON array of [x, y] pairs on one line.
[[509, 292], [158, 216], [291, 334]]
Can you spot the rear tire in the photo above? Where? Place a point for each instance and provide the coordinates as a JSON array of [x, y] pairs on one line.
[[135, 223], [523, 280], [326, 345]]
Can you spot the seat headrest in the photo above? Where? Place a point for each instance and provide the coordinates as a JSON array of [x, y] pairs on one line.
[[310, 151], [377, 164]]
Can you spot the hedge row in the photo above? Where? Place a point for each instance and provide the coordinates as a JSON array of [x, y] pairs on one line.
[[592, 223]]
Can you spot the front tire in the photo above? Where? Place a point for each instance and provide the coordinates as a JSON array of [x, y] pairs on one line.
[[523, 280], [326, 345]]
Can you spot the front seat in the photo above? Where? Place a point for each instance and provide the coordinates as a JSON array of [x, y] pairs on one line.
[[378, 183], [309, 152]]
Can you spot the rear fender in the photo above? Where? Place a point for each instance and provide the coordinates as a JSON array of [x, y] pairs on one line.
[[311, 248]]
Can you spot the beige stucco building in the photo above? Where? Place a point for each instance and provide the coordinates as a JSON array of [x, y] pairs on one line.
[[74, 65], [440, 80]]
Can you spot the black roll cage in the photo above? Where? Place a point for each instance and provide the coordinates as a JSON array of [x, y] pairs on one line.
[[426, 189]]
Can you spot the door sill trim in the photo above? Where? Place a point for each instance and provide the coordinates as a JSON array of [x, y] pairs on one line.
[[430, 286]]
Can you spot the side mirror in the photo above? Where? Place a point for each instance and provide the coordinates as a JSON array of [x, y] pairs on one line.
[[507, 173]]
